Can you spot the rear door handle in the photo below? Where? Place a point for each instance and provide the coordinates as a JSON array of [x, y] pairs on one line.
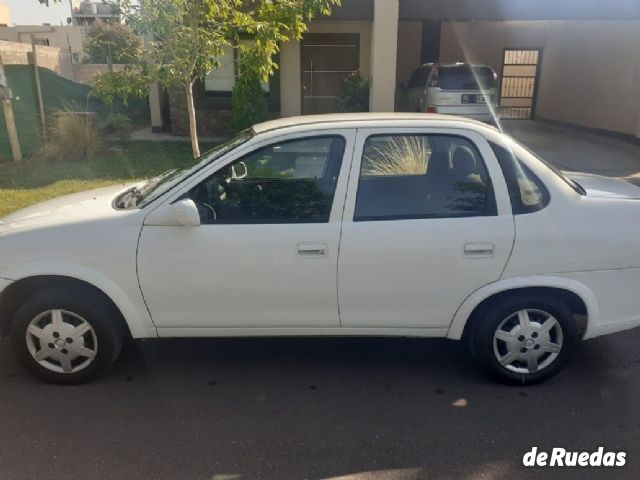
[[312, 249], [478, 250]]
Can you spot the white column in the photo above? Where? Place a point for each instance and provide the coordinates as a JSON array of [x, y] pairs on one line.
[[384, 49], [290, 81]]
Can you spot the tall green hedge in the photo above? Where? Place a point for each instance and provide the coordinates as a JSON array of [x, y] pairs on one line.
[[248, 102]]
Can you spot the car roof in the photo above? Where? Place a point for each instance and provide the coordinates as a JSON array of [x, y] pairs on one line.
[[347, 120]]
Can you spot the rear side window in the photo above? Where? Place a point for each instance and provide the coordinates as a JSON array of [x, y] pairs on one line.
[[528, 194], [464, 77], [419, 77], [422, 176]]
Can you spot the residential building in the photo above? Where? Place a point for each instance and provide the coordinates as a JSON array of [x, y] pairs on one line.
[[586, 70], [69, 39], [86, 12], [5, 15]]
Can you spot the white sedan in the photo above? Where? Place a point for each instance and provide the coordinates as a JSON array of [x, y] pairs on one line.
[[356, 224]]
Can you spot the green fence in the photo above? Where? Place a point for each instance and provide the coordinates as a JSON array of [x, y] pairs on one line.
[[58, 93]]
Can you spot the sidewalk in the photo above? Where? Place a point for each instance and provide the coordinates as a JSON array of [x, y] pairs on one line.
[[146, 135]]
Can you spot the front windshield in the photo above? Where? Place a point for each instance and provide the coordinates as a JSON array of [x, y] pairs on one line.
[[165, 181]]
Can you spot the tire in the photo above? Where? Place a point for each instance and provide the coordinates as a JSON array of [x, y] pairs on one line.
[[77, 335], [513, 353]]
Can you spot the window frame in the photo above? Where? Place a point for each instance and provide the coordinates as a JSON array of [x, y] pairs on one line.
[[334, 156], [517, 206], [492, 202]]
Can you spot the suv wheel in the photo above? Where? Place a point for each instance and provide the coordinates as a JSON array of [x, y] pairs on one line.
[[66, 337], [525, 339]]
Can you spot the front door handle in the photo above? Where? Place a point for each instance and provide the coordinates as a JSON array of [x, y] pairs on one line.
[[479, 250], [312, 249]]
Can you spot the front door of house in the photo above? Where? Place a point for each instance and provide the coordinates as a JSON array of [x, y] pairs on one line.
[[327, 59]]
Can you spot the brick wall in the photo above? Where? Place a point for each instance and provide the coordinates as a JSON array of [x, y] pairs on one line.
[[214, 123]]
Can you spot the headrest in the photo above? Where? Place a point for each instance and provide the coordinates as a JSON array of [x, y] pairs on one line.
[[464, 161]]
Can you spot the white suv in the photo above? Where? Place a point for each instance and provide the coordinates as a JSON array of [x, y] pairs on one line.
[[357, 224], [455, 89]]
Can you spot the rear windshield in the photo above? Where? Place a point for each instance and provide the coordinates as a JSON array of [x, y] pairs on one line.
[[466, 78]]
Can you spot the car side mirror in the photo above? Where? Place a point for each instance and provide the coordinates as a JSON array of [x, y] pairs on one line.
[[182, 213]]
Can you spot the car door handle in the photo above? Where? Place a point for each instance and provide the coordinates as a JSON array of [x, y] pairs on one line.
[[312, 249], [478, 250]]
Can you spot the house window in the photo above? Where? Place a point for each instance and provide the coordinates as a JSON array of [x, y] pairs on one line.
[[223, 78], [41, 41]]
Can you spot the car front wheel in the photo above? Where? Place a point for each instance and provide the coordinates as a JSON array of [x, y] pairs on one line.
[[66, 337], [525, 339]]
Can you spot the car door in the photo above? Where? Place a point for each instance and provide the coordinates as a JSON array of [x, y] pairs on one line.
[[265, 254], [427, 221]]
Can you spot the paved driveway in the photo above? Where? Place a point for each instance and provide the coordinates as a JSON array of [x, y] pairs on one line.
[[362, 409], [578, 151]]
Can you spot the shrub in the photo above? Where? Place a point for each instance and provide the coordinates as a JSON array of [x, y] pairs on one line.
[[73, 136], [354, 96], [248, 102], [121, 125]]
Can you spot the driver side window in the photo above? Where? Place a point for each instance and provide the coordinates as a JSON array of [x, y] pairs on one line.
[[286, 182]]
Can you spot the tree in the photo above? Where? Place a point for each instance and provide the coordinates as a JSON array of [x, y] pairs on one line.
[[188, 37], [111, 43]]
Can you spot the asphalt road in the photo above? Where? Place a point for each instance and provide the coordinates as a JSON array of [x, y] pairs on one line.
[[364, 409]]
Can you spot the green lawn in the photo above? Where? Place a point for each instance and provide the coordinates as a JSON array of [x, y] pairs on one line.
[[34, 181]]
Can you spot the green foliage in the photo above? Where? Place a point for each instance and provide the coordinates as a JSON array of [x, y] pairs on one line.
[[119, 87], [248, 102], [189, 37], [35, 180], [121, 125], [111, 43], [354, 96]]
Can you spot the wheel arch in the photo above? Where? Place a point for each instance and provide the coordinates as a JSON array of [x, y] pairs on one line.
[[138, 324], [578, 297]]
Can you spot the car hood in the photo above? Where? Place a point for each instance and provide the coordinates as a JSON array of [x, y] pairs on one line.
[[77, 207], [605, 187]]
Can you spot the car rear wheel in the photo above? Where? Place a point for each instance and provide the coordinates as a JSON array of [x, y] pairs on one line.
[[525, 339], [66, 337]]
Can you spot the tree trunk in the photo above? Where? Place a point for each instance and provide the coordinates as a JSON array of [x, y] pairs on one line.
[[193, 131]]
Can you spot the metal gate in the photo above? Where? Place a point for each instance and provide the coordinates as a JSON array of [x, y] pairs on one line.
[[520, 75]]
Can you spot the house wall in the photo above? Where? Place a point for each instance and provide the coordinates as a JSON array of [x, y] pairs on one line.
[[290, 74], [590, 72], [85, 72], [48, 57], [69, 39], [409, 49]]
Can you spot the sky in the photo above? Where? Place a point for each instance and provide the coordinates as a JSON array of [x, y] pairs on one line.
[[31, 12]]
